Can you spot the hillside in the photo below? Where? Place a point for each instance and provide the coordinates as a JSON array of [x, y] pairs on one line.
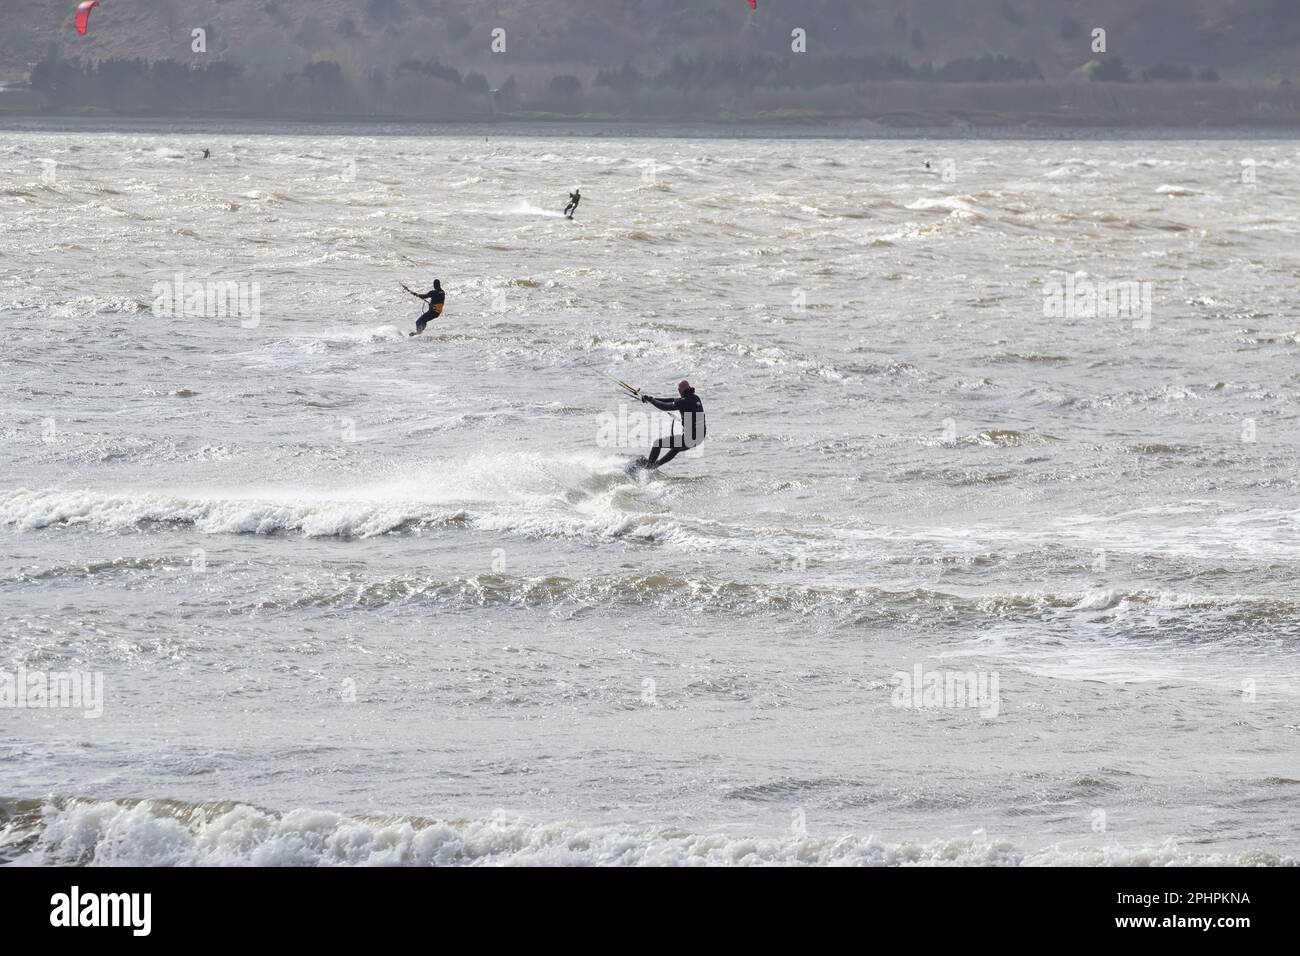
[[717, 57], [1242, 38]]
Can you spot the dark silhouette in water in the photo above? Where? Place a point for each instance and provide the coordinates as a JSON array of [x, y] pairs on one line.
[[693, 425], [435, 297]]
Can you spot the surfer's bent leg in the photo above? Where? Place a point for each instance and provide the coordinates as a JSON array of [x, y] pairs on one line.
[[674, 444], [662, 444], [672, 453]]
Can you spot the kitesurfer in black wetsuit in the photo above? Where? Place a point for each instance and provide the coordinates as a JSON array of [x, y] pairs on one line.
[[575, 197], [693, 425], [435, 297]]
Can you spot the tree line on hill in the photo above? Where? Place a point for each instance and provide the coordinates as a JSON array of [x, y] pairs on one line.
[[433, 89]]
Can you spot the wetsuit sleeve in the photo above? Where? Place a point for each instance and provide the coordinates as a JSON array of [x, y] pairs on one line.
[[665, 404]]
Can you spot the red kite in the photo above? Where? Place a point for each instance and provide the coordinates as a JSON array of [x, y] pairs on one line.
[[83, 15]]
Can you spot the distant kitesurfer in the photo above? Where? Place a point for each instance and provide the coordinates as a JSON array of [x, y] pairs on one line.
[[575, 197], [435, 297], [693, 425], [207, 154]]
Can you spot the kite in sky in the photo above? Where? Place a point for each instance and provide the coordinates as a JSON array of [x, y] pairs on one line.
[[83, 15]]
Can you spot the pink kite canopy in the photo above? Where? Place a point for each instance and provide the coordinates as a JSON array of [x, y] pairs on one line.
[[83, 14]]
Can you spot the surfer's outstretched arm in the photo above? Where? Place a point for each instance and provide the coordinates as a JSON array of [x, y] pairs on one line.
[[663, 404]]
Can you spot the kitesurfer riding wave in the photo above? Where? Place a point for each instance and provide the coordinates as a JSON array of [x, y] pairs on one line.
[[435, 297], [693, 424]]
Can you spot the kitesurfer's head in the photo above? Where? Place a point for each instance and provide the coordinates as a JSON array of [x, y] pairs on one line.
[[437, 284], [684, 388]]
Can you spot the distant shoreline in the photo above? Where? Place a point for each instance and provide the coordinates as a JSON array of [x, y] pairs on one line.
[[621, 129]]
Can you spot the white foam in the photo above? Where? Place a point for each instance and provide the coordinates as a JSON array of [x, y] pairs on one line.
[[524, 208], [953, 205], [153, 833], [533, 495]]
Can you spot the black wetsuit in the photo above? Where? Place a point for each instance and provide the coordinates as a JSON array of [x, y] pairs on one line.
[[436, 299], [572, 207], [694, 427]]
